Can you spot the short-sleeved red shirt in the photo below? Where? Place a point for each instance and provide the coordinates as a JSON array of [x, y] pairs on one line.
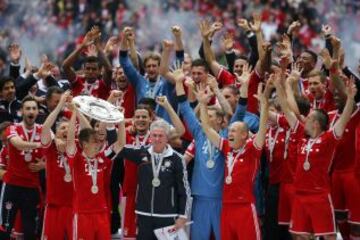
[[317, 178], [252, 90], [345, 155], [97, 89], [225, 78], [326, 103], [59, 192], [18, 172], [84, 201], [244, 172], [276, 157], [290, 160]]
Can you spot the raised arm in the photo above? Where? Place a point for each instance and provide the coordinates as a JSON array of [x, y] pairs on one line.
[[15, 56], [340, 124], [177, 33], [225, 105], [24, 85], [264, 114], [206, 31], [165, 58], [134, 76], [130, 37], [51, 119], [293, 27], [228, 45], [70, 60], [254, 55], [176, 121], [83, 121], [121, 138], [289, 114], [334, 72], [212, 135], [293, 82], [107, 76], [255, 26], [264, 63], [70, 141]]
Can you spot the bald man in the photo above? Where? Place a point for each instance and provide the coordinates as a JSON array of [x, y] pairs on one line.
[[242, 155]]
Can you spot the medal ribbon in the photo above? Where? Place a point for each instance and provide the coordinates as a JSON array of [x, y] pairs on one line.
[[143, 142], [272, 141], [211, 150], [27, 136], [156, 169], [231, 160], [93, 170], [64, 162], [309, 146]]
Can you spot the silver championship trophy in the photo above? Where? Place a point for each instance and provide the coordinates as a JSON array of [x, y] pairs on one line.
[[98, 109]]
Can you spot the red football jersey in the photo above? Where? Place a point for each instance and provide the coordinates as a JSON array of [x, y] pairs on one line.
[[253, 85], [344, 159], [275, 139], [290, 160], [190, 150], [18, 172], [97, 89], [327, 103], [225, 78], [84, 201], [4, 157], [128, 101], [315, 177], [59, 192], [241, 189], [357, 152], [130, 177]]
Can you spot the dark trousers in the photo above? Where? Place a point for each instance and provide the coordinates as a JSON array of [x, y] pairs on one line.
[[26, 200], [271, 213], [147, 225], [117, 178]]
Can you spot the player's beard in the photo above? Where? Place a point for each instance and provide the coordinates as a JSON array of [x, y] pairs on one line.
[[29, 121]]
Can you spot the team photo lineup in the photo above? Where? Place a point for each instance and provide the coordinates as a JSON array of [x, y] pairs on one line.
[[232, 120]]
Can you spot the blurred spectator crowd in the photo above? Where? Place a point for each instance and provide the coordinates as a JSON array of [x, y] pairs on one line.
[[56, 26]]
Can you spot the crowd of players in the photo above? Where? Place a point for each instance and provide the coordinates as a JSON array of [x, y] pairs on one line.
[[264, 148]]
